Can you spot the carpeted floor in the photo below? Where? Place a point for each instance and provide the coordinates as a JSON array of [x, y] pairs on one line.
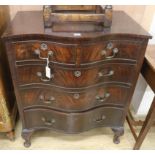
[[101, 138]]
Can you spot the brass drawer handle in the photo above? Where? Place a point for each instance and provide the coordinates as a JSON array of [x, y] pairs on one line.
[[44, 46], [48, 122], [114, 51], [77, 73], [50, 101], [76, 96], [109, 46], [103, 98], [44, 79], [50, 54], [100, 119], [110, 73]]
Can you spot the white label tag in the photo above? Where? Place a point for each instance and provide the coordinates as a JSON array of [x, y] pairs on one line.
[[77, 34], [48, 72]]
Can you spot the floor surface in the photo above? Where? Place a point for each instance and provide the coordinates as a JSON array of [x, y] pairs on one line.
[[101, 138]]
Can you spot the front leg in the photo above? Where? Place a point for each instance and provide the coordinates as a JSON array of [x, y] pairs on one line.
[[118, 131], [11, 135], [26, 134]]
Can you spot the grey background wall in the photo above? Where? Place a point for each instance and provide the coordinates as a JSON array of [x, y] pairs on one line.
[[143, 14]]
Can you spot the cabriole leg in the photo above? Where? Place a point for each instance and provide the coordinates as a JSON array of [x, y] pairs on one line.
[[11, 135], [26, 134], [118, 131]]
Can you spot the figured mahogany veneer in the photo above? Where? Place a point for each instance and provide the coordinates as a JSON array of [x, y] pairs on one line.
[[93, 75], [61, 53], [127, 49], [67, 53], [75, 122], [75, 100], [35, 74]]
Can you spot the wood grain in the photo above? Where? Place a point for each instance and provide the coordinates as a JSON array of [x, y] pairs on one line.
[[61, 53], [75, 122], [64, 100], [66, 77], [86, 54], [56, 16]]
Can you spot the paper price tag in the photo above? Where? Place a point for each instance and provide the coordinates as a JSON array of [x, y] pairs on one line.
[[77, 34], [48, 72]]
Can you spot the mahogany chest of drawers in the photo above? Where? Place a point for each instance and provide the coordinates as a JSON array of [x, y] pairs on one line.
[[90, 77]]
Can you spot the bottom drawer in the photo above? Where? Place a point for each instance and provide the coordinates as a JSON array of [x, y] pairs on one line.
[[73, 122]]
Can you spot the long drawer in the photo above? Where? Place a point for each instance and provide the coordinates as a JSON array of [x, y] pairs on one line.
[[76, 77], [73, 100], [73, 122]]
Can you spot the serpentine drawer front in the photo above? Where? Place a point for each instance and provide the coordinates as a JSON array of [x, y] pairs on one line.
[[67, 100], [61, 53], [74, 122], [73, 82], [76, 77], [110, 50], [38, 50]]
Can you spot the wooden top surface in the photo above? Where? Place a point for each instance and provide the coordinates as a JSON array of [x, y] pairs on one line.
[[31, 22], [150, 56]]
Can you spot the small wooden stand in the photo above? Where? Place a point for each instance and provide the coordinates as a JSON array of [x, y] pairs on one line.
[[148, 72], [77, 18]]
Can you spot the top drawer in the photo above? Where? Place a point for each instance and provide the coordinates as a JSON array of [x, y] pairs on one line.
[[37, 50], [110, 50]]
